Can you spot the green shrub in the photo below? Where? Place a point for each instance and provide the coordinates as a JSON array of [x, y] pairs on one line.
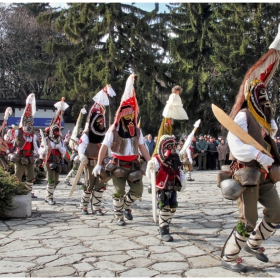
[[9, 187]]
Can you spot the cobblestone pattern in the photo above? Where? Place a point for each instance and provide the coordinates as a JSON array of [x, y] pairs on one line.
[[57, 241]]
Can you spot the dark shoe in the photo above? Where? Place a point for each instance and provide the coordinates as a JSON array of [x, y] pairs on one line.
[[120, 222], [67, 183], [51, 202], [165, 235], [98, 212], [256, 253], [190, 179], [79, 183], [233, 266], [84, 211], [128, 215], [33, 196]]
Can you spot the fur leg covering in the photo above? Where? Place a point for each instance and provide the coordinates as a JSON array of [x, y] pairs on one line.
[[97, 199], [71, 174], [29, 185], [165, 216], [128, 200], [118, 204], [85, 200], [262, 231], [50, 191], [233, 246]]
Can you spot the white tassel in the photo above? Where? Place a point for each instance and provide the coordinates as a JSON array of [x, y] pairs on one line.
[[129, 88], [101, 98], [110, 91], [190, 137]]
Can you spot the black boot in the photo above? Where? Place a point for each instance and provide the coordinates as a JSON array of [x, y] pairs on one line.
[[165, 236], [127, 214], [233, 266], [256, 253]]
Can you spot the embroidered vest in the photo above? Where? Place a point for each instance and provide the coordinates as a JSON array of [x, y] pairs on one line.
[[119, 143], [255, 130]]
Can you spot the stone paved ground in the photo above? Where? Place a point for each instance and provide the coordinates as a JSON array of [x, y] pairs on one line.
[[57, 241]]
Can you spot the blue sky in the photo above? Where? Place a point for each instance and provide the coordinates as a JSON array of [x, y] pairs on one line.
[[144, 6]]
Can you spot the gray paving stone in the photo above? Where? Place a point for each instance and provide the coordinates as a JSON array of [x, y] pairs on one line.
[[159, 249], [175, 275], [15, 275], [30, 252], [27, 233], [162, 257], [116, 258], [100, 273], [60, 271], [56, 243], [139, 272], [70, 249], [20, 259], [14, 267], [190, 251], [85, 231], [83, 267], [213, 272], [129, 233], [103, 265], [65, 260], [170, 266], [139, 262], [23, 244], [46, 259], [147, 240], [115, 245], [204, 261], [138, 253]]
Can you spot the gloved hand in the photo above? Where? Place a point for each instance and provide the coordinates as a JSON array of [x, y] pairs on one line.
[[183, 181], [96, 170], [84, 160], [265, 161]]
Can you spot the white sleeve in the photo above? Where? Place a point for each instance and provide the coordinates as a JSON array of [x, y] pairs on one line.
[[274, 128], [108, 139], [141, 138], [239, 150], [148, 169], [35, 144], [82, 146], [62, 149], [189, 153]]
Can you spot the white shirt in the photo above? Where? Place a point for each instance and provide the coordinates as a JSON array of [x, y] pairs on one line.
[[59, 146], [239, 150], [129, 150], [30, 139]]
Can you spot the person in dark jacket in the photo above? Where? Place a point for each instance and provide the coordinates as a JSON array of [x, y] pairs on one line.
[[150, 144], [212, 153], [201, 147]]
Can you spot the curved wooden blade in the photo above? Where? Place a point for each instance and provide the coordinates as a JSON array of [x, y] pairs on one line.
[[76, 180], [235, 129], [154, 192]]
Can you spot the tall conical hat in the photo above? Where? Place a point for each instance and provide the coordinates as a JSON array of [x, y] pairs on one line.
[[261, 72], [100, 101], [30, 109], [7, 113], [128, 103], [77, 128], [61, 106]]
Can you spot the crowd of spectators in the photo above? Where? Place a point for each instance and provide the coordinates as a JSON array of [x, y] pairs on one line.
[[209, 152]]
